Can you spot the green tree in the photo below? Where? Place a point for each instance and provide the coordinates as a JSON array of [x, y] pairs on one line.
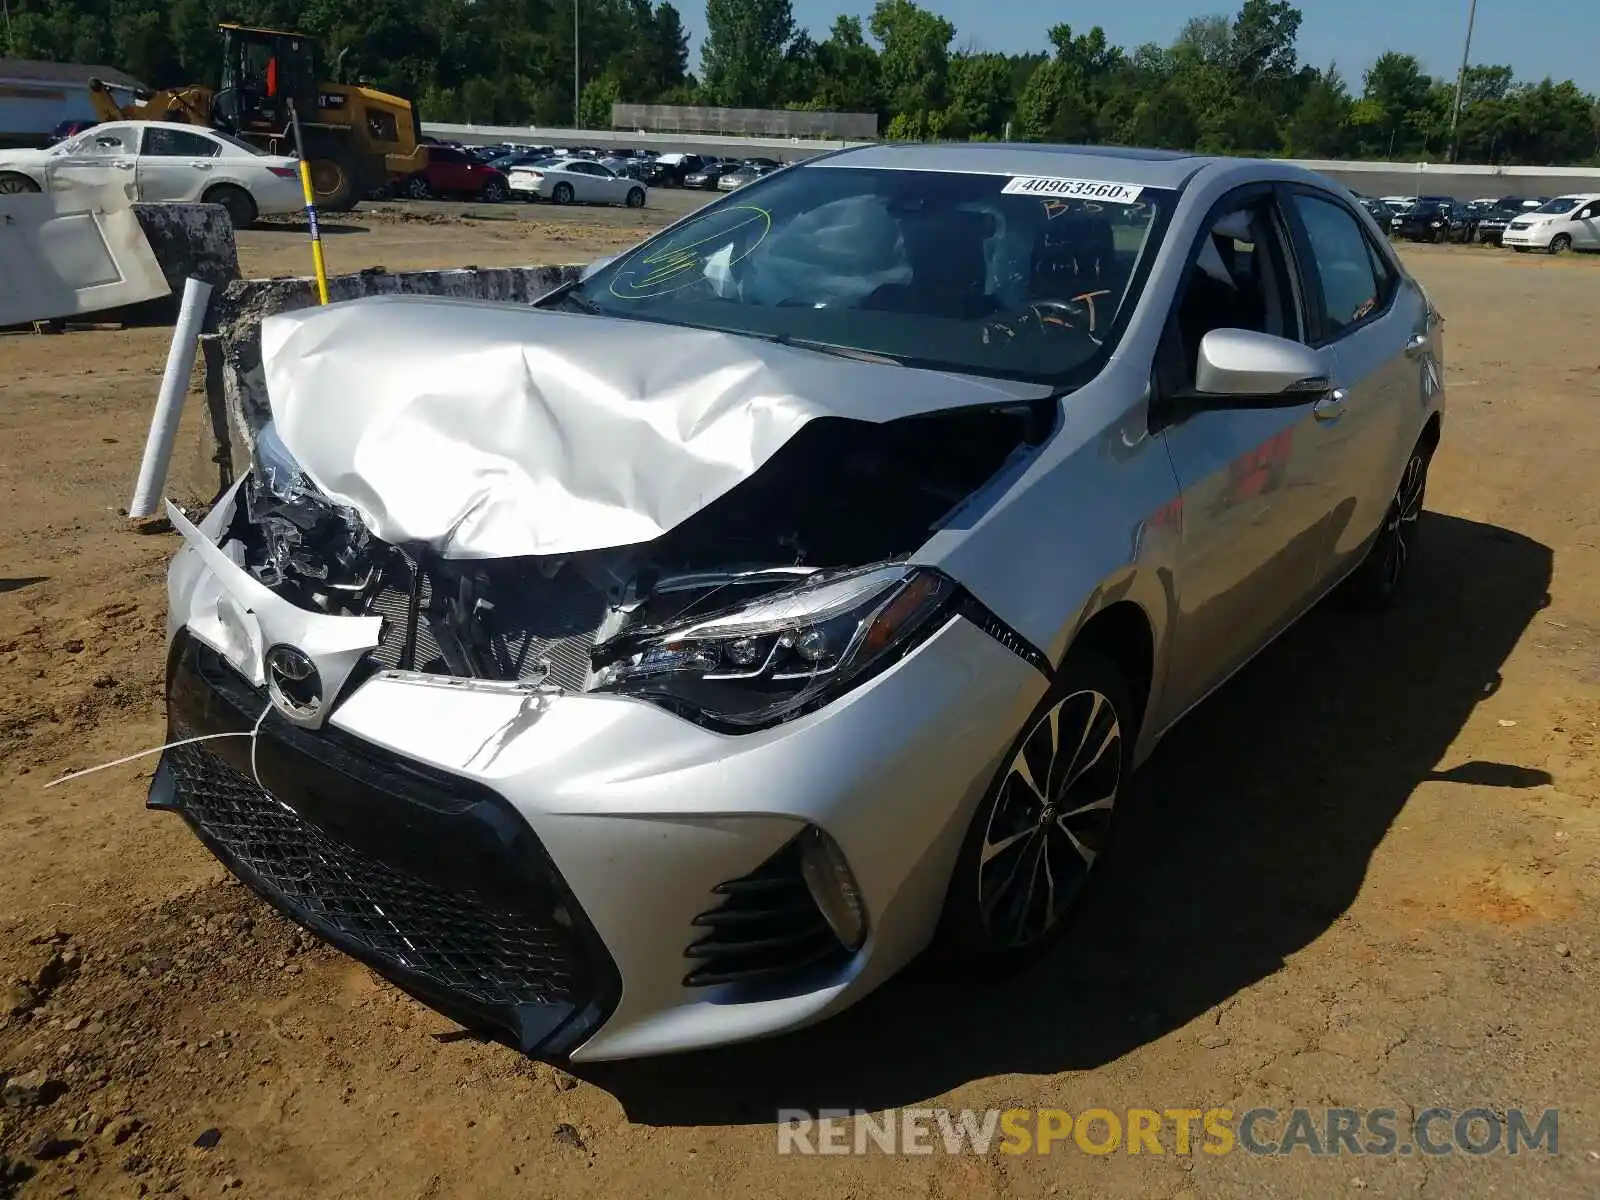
[[914, 62], [1397, 90], [980, 94], [743, 54]]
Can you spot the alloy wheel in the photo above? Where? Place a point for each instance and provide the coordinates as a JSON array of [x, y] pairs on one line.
[[1051, 818], [1400, 528], [1560, 244], [16, 185]]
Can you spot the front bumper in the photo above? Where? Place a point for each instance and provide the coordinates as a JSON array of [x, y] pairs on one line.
[[1534, 238], [432, 880], [606, 828]]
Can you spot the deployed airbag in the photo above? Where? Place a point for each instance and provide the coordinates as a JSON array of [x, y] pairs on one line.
[[486, 431]]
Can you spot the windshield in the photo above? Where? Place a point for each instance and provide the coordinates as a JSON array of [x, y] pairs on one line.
[[941, 270], [1561, 204]]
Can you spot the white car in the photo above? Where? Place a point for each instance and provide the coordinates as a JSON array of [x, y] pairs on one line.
[[161, 161], [1565, 223], [576, 180]]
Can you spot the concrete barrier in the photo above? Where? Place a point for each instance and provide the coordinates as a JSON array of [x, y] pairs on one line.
[[191, 240], [236, 393]]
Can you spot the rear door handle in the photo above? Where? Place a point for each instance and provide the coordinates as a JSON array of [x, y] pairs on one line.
[[1331, 407], [1416, 345], [201, 166], [123, 166]]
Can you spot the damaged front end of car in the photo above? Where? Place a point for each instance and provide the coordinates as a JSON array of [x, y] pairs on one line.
[[753, 611], [417, 703]]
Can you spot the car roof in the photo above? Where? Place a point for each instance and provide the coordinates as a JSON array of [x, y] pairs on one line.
[[1578, 196], [1145, 168], [181, 126]]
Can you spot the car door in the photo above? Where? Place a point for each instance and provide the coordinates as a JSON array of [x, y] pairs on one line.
[[176, 164], [104, 157], [611, 187], [1379, 334], [1586, 226], [1253, 508]]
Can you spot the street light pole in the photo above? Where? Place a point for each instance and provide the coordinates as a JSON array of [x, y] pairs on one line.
[[577, 117], [1461, 79]]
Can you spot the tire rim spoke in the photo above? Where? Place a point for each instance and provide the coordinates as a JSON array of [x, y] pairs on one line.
[[1050, 819]]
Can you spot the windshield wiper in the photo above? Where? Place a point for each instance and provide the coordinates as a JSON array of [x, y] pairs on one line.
[[837, 351], [567, 294]]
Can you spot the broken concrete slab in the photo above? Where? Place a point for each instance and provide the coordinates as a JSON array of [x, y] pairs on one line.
[[191, 240]]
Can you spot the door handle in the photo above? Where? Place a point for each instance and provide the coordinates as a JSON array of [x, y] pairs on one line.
[[123, 166], [201, 166], [1416, 344], [1331, 407]]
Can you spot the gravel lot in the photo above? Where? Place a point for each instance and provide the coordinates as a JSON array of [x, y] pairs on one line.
[[1366, 873]]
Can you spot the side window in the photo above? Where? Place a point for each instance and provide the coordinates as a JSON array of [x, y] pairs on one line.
[[1239, 279], [1344, 263], [176, 143], [113, 139]]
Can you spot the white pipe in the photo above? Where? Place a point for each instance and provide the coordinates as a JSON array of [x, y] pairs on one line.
[[169, 404]]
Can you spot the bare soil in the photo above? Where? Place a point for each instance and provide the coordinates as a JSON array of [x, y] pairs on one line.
[[1367, 872]]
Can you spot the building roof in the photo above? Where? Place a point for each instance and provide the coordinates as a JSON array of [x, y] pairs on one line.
[[37, 71]]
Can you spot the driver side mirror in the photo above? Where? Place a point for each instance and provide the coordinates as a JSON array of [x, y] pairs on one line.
[[1244, 368]]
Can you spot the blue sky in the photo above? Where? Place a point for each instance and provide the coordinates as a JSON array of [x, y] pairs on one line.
[[1350, 32]]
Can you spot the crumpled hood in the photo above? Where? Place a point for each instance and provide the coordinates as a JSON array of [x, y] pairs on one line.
[[490, 431]]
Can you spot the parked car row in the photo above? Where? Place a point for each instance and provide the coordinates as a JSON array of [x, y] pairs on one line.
[[1554, 225]]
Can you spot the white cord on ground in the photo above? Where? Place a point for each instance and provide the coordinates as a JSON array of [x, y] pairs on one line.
[[208, 737]]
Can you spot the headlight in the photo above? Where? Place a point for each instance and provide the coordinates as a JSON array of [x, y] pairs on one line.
[[783, 654]]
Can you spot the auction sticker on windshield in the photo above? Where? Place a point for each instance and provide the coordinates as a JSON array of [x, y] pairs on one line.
[[1073, 189]]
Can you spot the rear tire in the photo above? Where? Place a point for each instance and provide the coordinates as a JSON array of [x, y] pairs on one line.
[[563, 193], [239, 204], [1560, 244], [417, 188], [13, 184], [494, 191], [1033, 843]]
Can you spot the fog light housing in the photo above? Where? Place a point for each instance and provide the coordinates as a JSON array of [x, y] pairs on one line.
[[833, 888]]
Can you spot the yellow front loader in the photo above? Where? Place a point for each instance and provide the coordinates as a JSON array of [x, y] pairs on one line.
[[359, 141]]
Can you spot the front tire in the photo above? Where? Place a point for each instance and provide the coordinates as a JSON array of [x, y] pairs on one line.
[[1560, 244], [1043, 824], [13, 184], [417, 188], [494, 191], [635, 197], [1377, 583]]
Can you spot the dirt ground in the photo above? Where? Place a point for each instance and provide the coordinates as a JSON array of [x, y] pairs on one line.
[[1366, 873]]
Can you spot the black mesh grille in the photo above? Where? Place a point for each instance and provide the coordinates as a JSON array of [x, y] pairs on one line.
[[766, 930], [432, 879], [486, 956]]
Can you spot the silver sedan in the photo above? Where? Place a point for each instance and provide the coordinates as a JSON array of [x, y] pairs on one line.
[[670, 663]]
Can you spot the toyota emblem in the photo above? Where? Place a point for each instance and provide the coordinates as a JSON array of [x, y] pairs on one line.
[[293, 683]]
